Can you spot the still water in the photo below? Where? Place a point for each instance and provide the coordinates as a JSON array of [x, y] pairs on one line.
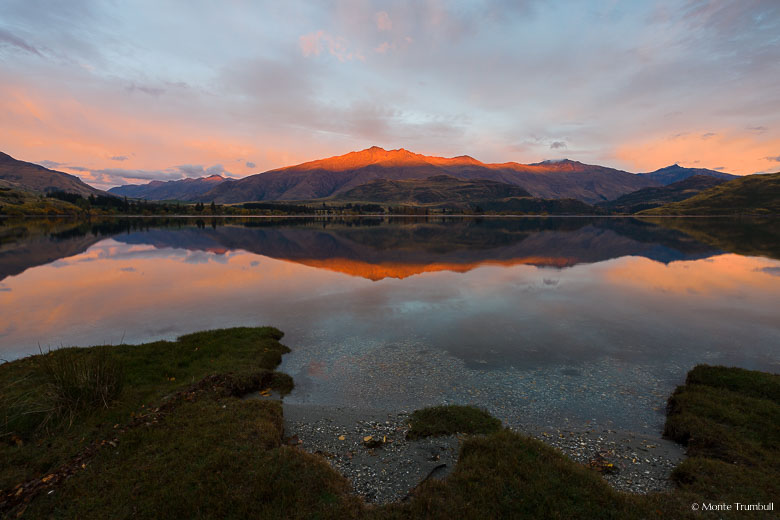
[[553, 321]]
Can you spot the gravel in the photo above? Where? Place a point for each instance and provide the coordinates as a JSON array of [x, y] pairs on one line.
[[381, 474], [628, 461], [389, 471]]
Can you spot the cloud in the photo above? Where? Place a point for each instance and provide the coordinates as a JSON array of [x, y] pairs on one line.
[[121, 175], [708, 135], [384, 47], [119, 158], [49, 164], [557, 145], [758, 129], [8, 39], [383, 22], [314, 43], [250, 164], [152, 91], [118, 176], [776, 158]]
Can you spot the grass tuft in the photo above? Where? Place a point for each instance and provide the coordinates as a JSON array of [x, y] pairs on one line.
[[75, 380], [65, 383], [449, 420]]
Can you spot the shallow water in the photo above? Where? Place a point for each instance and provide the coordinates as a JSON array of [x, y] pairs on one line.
[[542, 321]]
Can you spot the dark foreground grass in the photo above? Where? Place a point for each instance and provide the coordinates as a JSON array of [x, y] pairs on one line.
[[178, 442], [449, 420]]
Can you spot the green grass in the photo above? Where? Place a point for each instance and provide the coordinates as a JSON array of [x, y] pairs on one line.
[[729, 419], [449, 420], [508, 475], [176, 440]]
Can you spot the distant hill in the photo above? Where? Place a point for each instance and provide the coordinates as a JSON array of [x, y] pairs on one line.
[[436, 189], [648, 198], [337, 175], [447, 191], [39, 179], [184, 189], [677, 173], [748, 195]]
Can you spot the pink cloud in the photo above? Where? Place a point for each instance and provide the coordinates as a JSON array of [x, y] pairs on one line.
[[384, 47], [383, 21], [314, 43]]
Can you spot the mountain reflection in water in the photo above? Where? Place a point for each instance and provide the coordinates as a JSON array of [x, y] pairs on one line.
[[587, 318]]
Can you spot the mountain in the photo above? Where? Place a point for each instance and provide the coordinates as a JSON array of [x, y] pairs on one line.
[[677, 173], [184, 189], [749, 195], [36, 178], [337, 175], [648, 198]]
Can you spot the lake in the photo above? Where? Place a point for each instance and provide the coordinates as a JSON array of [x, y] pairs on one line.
[[578, 321]]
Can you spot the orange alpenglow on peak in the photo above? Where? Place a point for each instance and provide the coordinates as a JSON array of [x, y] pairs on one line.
[[379, 156]]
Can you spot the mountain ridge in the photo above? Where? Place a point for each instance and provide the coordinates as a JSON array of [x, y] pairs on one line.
[[181, 189], [38, 178]]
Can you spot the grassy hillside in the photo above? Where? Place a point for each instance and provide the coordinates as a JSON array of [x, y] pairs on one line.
[[17, 201], [648, 198], [748, 195], [160, 431], [444, 191], [433, 190]]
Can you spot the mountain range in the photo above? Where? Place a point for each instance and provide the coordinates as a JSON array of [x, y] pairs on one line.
[[183, 189], [335, 176], [404, 177]]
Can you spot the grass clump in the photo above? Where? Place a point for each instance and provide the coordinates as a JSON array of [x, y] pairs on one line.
[[451, 419], [75, 381]]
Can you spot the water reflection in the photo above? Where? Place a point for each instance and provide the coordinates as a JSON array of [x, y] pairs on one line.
[[372, 248], [534, 318]]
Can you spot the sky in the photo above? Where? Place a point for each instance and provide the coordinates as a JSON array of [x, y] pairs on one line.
[[121, 92]]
